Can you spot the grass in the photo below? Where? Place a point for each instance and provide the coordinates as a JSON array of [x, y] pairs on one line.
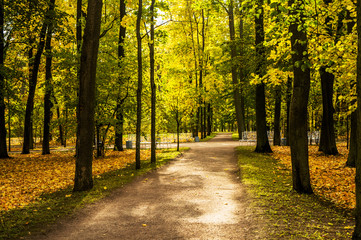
[[207, 138], [287, 214], [17, 223], [235, 136]]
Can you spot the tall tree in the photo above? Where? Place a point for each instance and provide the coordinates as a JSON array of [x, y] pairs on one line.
[[261, 124], [3, 149], [152, 85], [33, 79], [357, 231], [288, 106], [86, 104], [48, 85], [235, 81], [277, 116], [352, 155], [140, 86], [118, 142], [328, 139], [78, 35], [298, 108]]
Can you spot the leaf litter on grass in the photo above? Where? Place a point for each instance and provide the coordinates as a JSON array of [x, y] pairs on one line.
[[330, 178], [24, 178]]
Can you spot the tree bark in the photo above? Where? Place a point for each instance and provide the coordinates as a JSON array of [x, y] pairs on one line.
[[48, 85], [288, 103], [118, 141], [327, 140], [178, 124], [140, 86], [86, 105], [3, 149], [209, 121], [352, 154], [119, 126], [298, 109], [261, 124], [78, 35], [32, 84], [152, 86], [277, 116], [235, 82], [357, 231], [61, 129]]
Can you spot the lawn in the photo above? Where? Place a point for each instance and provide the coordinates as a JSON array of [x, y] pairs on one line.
[[287, 214]]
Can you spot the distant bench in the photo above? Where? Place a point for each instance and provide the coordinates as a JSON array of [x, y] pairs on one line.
[[157, 144], [251, 137]]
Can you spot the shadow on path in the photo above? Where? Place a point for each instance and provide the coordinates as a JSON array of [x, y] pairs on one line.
[[198, 196]]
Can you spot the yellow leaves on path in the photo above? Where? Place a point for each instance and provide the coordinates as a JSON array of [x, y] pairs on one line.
[[24, 178], [330, 178]]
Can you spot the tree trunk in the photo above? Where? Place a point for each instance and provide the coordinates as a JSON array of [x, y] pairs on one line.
[[327, 140], [86, 105], [352, 154], [261, 124], [288, 103], [78, 35], [118, 141], [203, 120], [3, 149], [298, 109], [61, 130], [357, 231], [178, 124], [241, 75], [32, 83], [140, 86], [235, 82], [48, 85], [277, 116], [209, 121], [152, 86]]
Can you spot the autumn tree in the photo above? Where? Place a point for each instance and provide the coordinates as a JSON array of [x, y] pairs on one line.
[[33, 79], [328, 139], [89, 53], [3, 149], [140, 85], [48, 79], [262, 137], [119, 125], [236, 89], [357, 231], [298, 108], [152, 86]]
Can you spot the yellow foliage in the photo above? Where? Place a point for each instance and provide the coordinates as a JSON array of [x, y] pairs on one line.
[[330, 178], [24, 178]]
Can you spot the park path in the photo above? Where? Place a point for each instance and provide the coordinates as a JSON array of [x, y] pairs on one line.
[[197, 196]]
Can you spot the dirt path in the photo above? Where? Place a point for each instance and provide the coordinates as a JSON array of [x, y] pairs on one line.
[[198, 196]]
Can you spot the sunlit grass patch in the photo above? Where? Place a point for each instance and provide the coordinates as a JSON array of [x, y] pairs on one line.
[[287, 214]]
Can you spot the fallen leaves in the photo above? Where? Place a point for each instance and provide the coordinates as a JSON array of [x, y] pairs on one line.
[[24, 178], [330, 178]]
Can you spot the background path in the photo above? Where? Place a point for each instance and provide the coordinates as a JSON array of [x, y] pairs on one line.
[[197, 196]]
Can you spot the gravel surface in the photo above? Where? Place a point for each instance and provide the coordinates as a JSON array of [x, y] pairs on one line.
[[197, 196]]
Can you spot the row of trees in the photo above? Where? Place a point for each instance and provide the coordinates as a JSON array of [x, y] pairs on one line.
[[118, 67]]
